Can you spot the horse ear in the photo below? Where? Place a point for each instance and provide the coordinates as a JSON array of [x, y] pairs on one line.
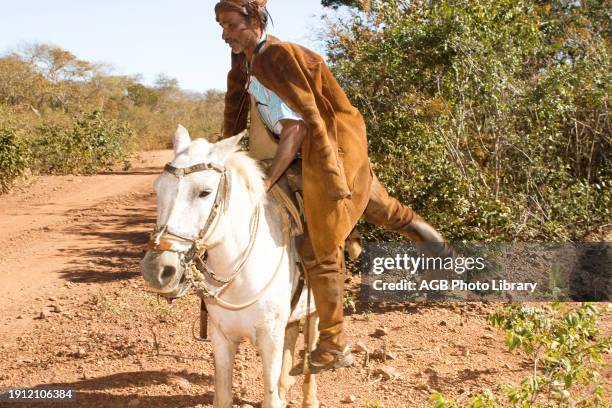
[[181, 140], [229, 145]]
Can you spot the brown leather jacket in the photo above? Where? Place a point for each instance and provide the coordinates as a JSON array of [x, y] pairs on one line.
[[335, 168]]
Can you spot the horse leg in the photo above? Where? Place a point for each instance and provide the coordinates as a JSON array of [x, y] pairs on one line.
[[286, 381], [224, 351], [270, 344], [309, 389]]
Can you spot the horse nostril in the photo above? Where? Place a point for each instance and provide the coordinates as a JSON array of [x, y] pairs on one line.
[[168, 273]]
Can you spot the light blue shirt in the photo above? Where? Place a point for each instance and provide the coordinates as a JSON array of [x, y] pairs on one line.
[[271, 108]]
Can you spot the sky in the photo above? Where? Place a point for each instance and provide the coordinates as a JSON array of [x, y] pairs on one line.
[[179, 38]]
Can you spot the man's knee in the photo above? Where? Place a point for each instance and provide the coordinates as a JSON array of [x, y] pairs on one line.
[[386, 211]]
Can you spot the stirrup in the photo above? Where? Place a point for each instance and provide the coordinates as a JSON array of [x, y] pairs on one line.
[[341, 359]]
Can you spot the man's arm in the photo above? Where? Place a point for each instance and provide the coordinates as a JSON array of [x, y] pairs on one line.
[[291, 138], [235, 112], [299, 84]]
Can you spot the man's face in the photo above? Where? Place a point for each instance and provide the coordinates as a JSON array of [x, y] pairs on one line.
[[237, 32]]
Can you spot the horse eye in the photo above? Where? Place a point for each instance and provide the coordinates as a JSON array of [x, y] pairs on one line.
[[204, 193]]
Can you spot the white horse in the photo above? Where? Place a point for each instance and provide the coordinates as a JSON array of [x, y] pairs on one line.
[[211, 198]]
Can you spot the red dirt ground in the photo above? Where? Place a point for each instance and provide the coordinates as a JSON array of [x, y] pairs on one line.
[[71, 248]]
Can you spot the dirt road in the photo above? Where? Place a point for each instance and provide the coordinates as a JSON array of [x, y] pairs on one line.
[[59, 230], [75, 315]]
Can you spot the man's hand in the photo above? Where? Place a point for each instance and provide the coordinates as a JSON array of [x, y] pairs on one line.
[[291, 138], [267, 184]]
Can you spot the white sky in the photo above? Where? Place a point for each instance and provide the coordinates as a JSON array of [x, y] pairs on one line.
[[179, 38]]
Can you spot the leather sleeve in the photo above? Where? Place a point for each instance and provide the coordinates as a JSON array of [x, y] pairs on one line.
[[297, 81], [236, 109]]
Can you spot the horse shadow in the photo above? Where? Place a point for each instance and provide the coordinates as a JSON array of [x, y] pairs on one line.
[[117, 243], [98, 391]]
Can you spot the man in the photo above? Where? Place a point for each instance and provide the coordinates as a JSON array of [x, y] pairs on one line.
[[300, 101]]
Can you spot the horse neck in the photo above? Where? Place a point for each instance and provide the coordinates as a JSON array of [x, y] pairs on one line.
[[235, 226]]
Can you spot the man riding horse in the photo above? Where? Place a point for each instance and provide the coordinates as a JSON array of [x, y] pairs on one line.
[[302, 104]]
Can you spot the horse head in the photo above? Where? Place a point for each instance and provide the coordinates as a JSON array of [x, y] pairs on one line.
[[193, 194]]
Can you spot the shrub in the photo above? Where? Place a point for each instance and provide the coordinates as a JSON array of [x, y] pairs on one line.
[[92, 144], [13, 157], [565, 349]]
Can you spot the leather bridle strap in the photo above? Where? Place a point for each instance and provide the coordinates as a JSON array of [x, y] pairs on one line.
[[183, 171]]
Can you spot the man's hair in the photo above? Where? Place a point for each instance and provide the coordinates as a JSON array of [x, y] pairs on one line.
[[253, 10]]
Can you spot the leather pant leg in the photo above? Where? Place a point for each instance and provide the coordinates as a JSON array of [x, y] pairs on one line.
[[388, 212], [327, 275], [326, 278]]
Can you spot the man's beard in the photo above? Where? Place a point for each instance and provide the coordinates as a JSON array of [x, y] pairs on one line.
[[236, 48]]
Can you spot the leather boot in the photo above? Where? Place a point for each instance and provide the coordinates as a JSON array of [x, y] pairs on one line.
[[327, 285], [427, 240], [430, 243]]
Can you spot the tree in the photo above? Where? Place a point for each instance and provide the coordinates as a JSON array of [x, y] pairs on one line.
[[165, 83], [57, 64], [20, 83], [490, 117], [140, 95], [63, 70]]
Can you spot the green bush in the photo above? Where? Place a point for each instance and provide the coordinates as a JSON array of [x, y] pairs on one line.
[[566, 352], [488, 117], [13, 157], [91, 145]]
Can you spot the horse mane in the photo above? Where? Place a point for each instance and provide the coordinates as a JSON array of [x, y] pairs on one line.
[[239, 163], [247, 169]]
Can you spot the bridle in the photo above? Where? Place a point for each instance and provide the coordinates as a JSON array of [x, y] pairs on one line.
[[162, 237], [197, 273]]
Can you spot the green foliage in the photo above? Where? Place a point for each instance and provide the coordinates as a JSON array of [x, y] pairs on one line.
[[337, 3], [438, 400], [44, 90], [565, 350], [486, 399], [374, 404], [349, 302], [92, 144], [490, 118], [140, 95], [566, 354], [13, 157]]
